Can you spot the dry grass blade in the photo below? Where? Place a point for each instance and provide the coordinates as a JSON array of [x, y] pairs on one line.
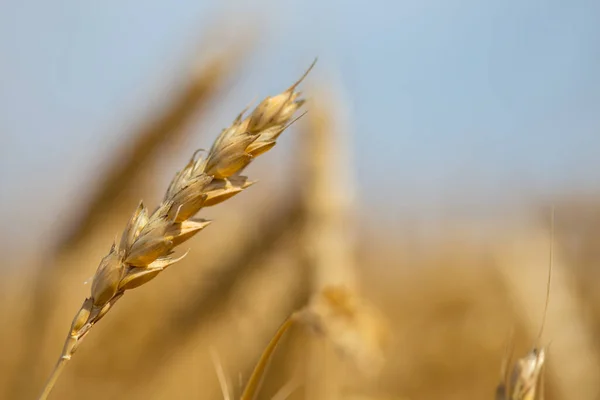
[[253, 385], [220, 374], [287, 390], [148, 243]]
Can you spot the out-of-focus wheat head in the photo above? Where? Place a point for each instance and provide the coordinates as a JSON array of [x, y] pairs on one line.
[[147, 243], [336, 316], [357, 329]]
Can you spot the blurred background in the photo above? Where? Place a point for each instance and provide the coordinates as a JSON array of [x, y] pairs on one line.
[[438, 136]]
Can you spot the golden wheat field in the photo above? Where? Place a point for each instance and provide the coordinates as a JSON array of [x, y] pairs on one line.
[[247, 261]]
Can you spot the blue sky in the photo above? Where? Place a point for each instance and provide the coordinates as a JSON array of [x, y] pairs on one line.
[[448, 97]]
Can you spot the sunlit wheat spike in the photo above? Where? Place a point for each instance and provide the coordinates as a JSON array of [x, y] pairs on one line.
[[116, 186], [147, 243]]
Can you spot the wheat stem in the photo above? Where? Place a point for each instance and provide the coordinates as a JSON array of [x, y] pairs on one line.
[[256, 378], [58, 368]]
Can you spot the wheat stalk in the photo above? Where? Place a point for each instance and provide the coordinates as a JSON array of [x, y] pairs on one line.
[[329, 231], [355, 329], [254, 383], [147, 243]]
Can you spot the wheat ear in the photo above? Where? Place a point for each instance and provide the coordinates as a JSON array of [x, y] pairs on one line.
[[146, 245], [115, 188]]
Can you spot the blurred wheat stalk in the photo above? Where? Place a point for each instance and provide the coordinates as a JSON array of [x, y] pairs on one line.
[[329, 252], [344, 326]]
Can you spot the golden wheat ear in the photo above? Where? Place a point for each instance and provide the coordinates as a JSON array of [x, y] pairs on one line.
[[148, 242], [115, 188]]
